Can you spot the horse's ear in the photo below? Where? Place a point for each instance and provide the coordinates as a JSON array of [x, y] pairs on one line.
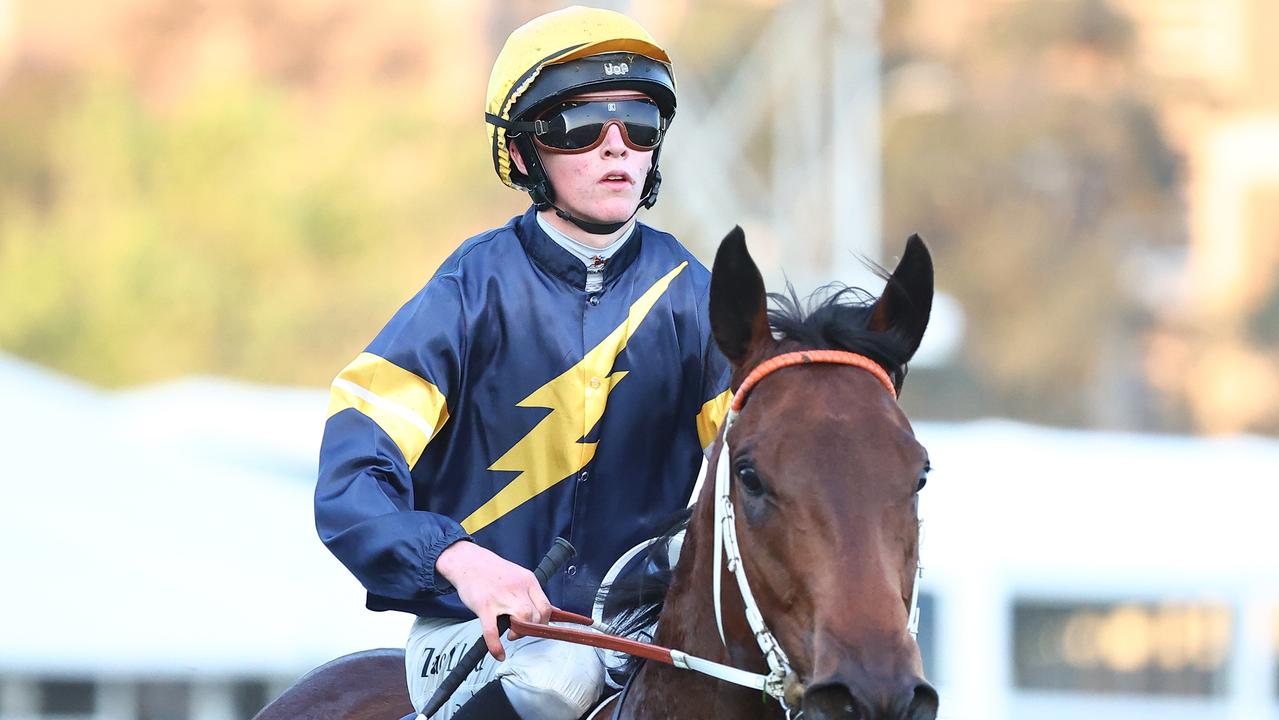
[[904, 307], [739, 315]]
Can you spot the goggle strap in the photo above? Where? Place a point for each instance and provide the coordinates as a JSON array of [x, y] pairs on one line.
[[535, 127]]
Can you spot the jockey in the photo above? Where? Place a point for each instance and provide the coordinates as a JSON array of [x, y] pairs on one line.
[[556, 376]]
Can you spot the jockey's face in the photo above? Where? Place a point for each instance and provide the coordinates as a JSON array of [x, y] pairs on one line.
[[585, 183]]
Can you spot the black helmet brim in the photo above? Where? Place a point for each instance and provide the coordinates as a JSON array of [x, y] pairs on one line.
[[608, 71]]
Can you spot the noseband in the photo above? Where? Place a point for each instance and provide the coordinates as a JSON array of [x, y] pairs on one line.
[[781, 683]]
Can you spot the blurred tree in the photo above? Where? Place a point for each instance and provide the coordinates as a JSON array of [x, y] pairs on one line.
[[248, 189], [1031, 158]]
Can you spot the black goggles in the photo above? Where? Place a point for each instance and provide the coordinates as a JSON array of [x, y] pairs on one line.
[[579, 126]]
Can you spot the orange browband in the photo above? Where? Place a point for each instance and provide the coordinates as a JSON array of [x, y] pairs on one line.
[[805, 357]]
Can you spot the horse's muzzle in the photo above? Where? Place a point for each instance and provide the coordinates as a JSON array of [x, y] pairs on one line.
[[910, 699]]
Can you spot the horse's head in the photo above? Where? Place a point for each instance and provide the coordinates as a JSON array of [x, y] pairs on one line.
[[825, 472]]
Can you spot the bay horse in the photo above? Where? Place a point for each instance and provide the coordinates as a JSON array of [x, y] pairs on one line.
[[822, 481], [825, 472]]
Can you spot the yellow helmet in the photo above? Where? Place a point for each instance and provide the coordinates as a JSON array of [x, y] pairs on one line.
[[564, 53]]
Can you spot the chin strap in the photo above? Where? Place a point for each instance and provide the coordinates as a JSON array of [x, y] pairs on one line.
[[593, 227]]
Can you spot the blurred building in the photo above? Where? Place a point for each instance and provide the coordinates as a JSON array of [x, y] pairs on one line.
[[1198, 345], [160, 559], [1110, 576], [1215, 66]]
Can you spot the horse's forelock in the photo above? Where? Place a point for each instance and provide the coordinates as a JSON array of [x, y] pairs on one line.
[[837, 317]]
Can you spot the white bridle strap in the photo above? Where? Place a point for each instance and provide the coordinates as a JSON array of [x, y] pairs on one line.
[[721, 480], [912, 620], [725, 542], [755, 681]]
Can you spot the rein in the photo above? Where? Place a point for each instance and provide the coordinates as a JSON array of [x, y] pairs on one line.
[[599, 637], [781, 682]]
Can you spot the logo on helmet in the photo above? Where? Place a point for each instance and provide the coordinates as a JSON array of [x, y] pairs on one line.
[[616, 68]]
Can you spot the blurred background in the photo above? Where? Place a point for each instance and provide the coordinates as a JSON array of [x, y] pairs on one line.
[[207, 209]]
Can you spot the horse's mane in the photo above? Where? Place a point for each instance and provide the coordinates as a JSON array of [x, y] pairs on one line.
[[835, 317], [637, 599]]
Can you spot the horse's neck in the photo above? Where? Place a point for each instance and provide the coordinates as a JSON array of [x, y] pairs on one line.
[[687, 623]]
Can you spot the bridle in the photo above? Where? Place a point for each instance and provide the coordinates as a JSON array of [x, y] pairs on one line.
[[781, 683]]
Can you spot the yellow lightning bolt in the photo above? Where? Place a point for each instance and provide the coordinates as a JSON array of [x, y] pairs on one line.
[[552, 450]]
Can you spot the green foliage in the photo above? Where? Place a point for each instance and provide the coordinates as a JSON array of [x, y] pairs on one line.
[[244, 231]]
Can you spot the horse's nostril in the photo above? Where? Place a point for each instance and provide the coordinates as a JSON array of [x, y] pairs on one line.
[[924, 703], [830, 702], [835, 701]]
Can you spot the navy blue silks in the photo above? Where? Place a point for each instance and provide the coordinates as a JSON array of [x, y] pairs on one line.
[[507, 400]]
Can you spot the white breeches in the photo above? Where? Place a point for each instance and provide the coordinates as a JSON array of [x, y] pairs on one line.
[[544, 679]]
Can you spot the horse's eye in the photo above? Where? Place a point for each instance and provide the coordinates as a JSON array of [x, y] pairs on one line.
[[923, 476], [750, 480]]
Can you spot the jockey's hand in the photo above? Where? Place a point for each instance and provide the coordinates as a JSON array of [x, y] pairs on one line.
[[491, 586]]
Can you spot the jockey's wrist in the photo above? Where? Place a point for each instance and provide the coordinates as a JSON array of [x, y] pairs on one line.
[[454, 558]]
